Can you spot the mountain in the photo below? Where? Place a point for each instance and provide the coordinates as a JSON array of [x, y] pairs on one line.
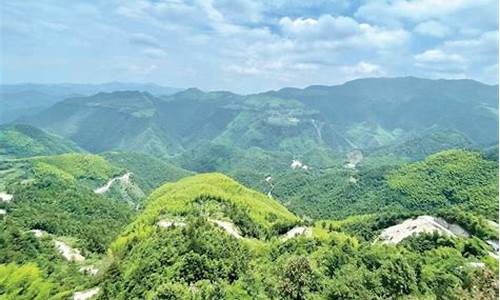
[[371, 112], [452, 178], [20, 140], [56, 194], [364, 114], [149, 172], [21, 100], [207, 237]]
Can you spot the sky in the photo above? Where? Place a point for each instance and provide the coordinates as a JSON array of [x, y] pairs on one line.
[[246, 46]]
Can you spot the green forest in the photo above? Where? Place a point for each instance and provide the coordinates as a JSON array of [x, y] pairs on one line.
[[282, 195]]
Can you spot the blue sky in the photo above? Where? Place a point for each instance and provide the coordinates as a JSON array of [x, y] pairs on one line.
[[247, 46]]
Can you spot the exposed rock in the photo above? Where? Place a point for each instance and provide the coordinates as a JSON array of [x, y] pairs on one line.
[[4, 197], [493, 244], [2, 212], [422, 224], [228, 227], [167, 223], [87, 294], [297, 164], [296, 231], [38, 233], [90, 270], [353, 158], [68, 252], [125, 178]]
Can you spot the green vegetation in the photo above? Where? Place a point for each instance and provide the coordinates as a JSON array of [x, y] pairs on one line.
[[405, 116], [24, 140], [89, 169], [215, 196], [297, 186], [149, 172], [199, 261], [450, 178], [55, 201]]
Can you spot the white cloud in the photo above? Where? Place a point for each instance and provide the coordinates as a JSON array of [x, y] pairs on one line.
[[325, 26], [433, 28], [362, 69], [439, 56], [416, 10], [342, 31]]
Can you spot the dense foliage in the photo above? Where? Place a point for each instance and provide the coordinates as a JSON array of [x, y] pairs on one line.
[[450, 178], [364, 114], [24, 140], [149, 172]]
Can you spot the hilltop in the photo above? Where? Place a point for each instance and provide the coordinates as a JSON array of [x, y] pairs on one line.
[[363, 114]]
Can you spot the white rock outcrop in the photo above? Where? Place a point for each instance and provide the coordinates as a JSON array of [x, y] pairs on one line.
[[297, 231], [421, 224], [68, 252], [87, 294]]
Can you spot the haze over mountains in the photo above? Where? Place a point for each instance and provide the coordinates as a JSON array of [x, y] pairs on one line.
[[362, 114], [18, 100]]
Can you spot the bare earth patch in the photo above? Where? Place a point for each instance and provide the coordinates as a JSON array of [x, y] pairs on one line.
[[68, 252], [296, 231], [125, 178], [228, 227], [4, 197], [422, 224], [87, 294]]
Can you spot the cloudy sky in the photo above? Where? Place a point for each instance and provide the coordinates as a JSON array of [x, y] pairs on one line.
[[246, 46]]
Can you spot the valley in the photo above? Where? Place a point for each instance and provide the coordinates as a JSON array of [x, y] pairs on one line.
[[355, 191]]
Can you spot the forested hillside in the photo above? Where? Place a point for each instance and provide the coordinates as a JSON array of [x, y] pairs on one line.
[[363, 114], [23, 140], [357, 191]]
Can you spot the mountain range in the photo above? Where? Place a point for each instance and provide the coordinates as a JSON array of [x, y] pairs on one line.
[[363, 114], [18, 100], [382, 188]]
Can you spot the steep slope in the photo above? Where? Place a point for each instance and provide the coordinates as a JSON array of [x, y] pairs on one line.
[[447, 179], [55, 194], [363, 114], [19, 140], [184, 246], [150, 172], [371, 112], [216, 196]]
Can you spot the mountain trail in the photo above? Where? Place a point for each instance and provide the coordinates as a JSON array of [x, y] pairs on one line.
[[168, 223], [125, 178], [228, 227]]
